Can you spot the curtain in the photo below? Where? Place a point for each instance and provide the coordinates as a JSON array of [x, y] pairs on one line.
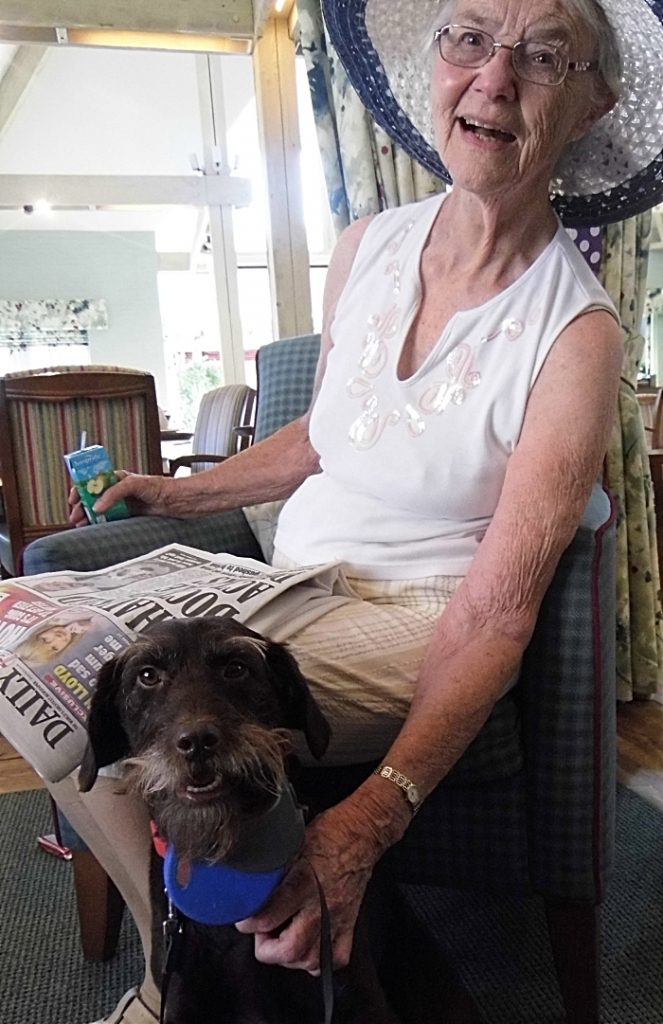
[[639, 616], [364, 170]]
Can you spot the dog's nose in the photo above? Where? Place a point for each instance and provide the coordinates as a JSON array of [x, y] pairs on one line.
[[198, 744]]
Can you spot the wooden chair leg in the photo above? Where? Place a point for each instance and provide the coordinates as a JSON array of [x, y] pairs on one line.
[[99, 904], [575, 933]]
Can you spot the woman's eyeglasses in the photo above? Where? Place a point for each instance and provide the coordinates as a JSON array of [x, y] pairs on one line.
[[541, 63]]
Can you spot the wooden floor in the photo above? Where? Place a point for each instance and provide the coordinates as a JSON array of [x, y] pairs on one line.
[[15, 774], [639, 746], [640, 749]]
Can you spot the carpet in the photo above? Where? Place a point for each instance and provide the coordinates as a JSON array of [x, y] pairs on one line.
[[43, 976], [497, 947]]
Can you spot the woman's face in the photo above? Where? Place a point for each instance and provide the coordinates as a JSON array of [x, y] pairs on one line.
[[534, 121], [54, 639]]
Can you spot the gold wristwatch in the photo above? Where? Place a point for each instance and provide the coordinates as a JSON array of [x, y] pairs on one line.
[[407, 786]]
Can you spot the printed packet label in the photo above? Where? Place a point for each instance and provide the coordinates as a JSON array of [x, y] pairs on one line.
[[92, 473]]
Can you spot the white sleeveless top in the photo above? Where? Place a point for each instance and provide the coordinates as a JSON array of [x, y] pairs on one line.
[[412, 469]]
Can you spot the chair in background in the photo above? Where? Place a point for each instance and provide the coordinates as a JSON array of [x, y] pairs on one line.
[[225, 413], [647, 401], [284, 379], [43, 414]]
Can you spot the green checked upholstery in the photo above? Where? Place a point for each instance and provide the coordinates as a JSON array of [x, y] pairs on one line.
[[529, 808], [285, 373]]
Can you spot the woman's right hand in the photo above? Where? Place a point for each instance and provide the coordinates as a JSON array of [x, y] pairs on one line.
[[145, 495]]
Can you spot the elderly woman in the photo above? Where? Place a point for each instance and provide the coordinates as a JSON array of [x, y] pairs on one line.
[[463, 403]]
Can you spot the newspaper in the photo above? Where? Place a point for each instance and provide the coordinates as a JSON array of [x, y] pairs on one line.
[[58, 629]]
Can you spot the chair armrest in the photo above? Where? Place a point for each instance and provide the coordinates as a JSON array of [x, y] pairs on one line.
[[96, 547], [192, 460], [568, 703]]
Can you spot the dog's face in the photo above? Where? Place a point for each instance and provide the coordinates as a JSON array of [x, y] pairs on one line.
[[202, 708]]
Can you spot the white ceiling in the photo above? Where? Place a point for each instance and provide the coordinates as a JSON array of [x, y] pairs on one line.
[[89, 111]]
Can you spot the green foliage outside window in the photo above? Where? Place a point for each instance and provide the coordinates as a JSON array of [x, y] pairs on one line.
[[193, 381]]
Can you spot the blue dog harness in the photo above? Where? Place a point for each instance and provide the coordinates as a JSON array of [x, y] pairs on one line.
[[239, 886]]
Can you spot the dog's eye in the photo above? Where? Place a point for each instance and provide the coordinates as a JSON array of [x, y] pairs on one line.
[[234, 669], [148, 676]]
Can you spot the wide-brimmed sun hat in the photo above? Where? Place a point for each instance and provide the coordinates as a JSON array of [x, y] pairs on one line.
[[613, 172]]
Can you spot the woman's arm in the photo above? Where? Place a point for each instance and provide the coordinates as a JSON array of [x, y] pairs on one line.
[[478, 642], [267, 471], [482, 635]]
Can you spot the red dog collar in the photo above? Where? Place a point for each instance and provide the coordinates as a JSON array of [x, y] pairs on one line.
[[160, 844]]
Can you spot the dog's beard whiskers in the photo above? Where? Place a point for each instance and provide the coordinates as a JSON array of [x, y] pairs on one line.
[[149, 774], [259, 756], [207, 835]]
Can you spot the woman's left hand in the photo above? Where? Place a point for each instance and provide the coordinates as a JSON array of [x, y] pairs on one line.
[[342, 847]]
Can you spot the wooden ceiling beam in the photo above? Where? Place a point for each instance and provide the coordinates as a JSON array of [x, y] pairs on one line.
[[17, 78], [208, 17]]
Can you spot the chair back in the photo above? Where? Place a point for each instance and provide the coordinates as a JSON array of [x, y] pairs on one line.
[[42, 415], [285, 373], [650, 404], [222, 410]]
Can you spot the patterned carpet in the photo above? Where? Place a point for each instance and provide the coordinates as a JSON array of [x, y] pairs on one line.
[[498, 947]]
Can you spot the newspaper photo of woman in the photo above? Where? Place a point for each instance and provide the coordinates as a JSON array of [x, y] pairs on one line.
[[51, 640]]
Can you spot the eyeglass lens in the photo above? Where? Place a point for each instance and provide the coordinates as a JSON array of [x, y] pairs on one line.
[[533, 61]]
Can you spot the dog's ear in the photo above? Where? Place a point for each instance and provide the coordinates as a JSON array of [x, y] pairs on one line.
[[106, 739], [301, 710]]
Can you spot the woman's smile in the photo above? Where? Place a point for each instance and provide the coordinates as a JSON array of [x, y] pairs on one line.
[[484, 132]]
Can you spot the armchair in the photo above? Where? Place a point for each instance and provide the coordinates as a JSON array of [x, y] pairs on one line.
[[224, 415], [529, 808], [42, 415]]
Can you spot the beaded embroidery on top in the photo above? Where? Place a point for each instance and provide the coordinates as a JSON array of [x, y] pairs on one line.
[[367, 429]]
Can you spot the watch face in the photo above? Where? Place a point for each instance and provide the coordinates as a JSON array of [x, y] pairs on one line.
[[412, 794]]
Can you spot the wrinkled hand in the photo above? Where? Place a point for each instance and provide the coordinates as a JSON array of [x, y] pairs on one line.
[[342, 847], [145, 495]]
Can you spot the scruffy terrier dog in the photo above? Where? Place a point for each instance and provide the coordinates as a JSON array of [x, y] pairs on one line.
[[202, 709]]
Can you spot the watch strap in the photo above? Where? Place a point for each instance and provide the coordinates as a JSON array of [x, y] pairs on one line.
[[405, 784]]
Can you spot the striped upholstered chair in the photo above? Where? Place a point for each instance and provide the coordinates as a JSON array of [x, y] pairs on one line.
[[530, 807], [217, 435], [42, 415]]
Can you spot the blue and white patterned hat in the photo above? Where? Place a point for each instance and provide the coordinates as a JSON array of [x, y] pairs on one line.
[[613, 172]]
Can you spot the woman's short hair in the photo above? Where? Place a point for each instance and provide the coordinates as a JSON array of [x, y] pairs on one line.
[[591, 13]]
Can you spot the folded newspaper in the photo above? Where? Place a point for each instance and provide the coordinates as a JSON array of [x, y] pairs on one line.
[[58, 629]]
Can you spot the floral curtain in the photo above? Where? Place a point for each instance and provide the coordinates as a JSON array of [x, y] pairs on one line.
[[639, 616], [364, 170]]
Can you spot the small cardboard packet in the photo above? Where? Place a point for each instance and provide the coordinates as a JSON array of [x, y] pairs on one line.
[[92, 473]]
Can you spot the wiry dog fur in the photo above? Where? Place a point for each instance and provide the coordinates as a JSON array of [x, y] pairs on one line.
[[202, 710]]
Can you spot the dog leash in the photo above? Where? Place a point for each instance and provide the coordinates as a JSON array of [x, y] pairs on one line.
[[173, 932]]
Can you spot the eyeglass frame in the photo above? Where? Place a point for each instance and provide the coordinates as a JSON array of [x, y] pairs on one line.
[[571, 65]]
